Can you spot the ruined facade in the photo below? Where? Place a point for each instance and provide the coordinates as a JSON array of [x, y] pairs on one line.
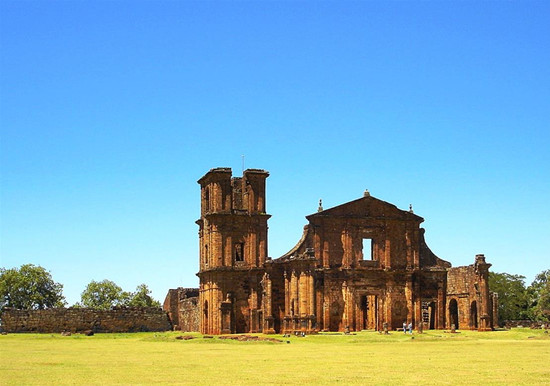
[[360, 265]]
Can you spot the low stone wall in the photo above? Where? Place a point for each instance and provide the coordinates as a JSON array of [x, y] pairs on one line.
[[121, 319], [526, 324]]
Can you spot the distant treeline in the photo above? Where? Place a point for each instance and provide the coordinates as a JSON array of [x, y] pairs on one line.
[[31, 287], [519, 302]]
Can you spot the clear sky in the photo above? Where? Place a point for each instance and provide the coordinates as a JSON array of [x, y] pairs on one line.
[[112, 110]]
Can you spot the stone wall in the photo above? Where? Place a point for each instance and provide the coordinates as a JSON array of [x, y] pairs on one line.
[[189, 316], [181, 304], [470, 303], [526, 324], [170, 305], [460, 283], [85, 319], [460, 280]]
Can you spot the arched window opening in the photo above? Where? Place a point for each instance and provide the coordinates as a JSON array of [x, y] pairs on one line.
[[453, 313], [239, 252], [207, 199], [431, 315], [205, 312], [473, 315]]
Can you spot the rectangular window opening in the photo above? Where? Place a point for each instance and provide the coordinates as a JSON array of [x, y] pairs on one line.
[[367, 249]]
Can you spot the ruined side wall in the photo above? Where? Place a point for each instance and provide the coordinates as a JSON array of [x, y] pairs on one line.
[[460, 287], [171, 306], [189, 315], [460, 280], [182, 311], [85, 319]]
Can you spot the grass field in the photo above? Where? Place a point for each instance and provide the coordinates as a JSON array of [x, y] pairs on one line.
[[519, 356]]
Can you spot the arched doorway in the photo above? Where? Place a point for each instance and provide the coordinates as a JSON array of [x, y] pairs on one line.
[[431, 316], [473, 316], [205, 319], [453, 313], [336, 311]]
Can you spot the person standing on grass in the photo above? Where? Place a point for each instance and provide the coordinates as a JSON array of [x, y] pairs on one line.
[[404, 327], [410, 328]]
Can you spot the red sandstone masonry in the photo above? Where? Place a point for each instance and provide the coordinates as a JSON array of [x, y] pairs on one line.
[[361, 265], [83, 319], [181, 304], [189, 316]]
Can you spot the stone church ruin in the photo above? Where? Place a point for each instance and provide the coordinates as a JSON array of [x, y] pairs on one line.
[[360, 265]]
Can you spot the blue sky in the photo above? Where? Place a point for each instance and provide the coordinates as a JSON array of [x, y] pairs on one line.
[[111, 111]]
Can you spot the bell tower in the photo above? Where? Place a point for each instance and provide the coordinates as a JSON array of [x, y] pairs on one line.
[[232, 249]]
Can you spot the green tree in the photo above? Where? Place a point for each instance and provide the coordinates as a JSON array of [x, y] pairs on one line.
[[29, 287], [103, 295], [513, 300], [539, 292], [141, 298]]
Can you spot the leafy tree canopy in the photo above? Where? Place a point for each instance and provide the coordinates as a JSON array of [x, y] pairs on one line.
[[105, 294], [513, 300], [539, 293], [141, 298], [29, 287]]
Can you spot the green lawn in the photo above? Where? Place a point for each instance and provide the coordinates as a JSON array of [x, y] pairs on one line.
[[520, 356]]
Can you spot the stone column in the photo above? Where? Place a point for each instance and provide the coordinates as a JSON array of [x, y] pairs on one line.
[[387, 254], [253, 304], [351, 309], [410, 262], [326, 254], [303, 294], [216, 248], [287, 293], [262, 249], [409, 298], [345, 316], [311, 293], [385, 306], [416, 252], [202, 329], [417, 301], [252, 249], [294, 297], [210, 311], [482, 270], [441, 309], [268, 296], [216, 317], [346, 246], [326, 314], [228, 252]]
